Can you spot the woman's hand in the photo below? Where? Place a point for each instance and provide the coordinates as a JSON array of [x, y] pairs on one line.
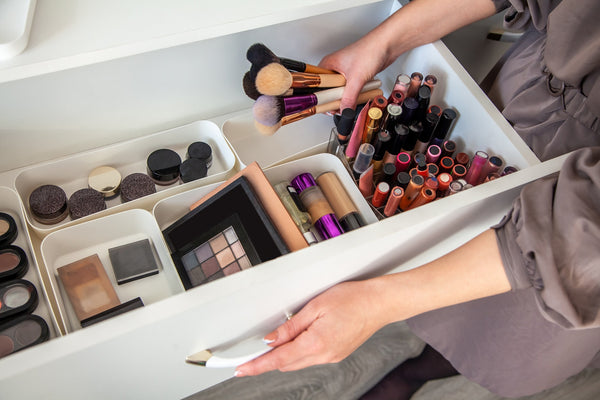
[[326, 330]]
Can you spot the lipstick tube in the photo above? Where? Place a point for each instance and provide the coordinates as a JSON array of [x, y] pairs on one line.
[[444, 181], [412, 191], [318, 207], [491, 168], [402, 84], [381, 144], [381, 193], [393, 201], [433, 154], [433, 169], [432, 183], [389, 172], [409, 108], [393, 114], [290, 199], [401, 132], [415, 130], [430, 81], [437, 110], [365, 182], [462, 158], [455, 187], [443, 127], [402, 162], [458, 171], [403, 179], [446, 164], [448, 148], [429, 124], [396, 97], [475, 171], [380, 102], [423, 98], [344, 208]]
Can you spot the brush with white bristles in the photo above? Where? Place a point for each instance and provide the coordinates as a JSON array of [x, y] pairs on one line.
[[274, 80], [268, 110], [318, 109]]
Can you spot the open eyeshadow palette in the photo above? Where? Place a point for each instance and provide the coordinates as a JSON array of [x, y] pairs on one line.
[[226, 234]]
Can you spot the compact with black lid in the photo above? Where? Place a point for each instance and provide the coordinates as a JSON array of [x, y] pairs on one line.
[[17, 297]]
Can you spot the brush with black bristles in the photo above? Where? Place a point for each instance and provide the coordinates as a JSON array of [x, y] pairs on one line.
[[321, 108], [268, 110], [260, 55]]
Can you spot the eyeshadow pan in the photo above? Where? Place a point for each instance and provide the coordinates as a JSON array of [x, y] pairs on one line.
[[203, 252], [3, 227], [190, 261], [210, 266], [225, 257], [22, 332], [238, 249], [196, 276], [230, 235], [231, 269], [8, 261], [13, 263], [244, 262], [133, 261], [218, 243], [16, 296]]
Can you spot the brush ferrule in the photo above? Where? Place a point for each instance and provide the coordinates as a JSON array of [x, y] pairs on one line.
[[288, 119], [303, 79], [294, 104]]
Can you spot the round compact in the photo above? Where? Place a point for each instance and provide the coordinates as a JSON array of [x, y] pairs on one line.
[[13, 263], [136, 185], [8, 229], [163, 166], [16, 297], [85, 202], [192, 169], [201, 151], [48, 204], [106, 180], [22, 332]]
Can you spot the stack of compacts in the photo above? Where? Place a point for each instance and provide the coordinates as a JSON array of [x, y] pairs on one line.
[[19, 328], [287, 90], [397, 149]]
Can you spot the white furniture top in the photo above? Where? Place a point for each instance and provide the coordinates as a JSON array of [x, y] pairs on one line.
[[72, 33]]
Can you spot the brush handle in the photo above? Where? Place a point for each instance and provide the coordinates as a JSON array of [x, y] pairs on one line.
[[303, 67], [329, 95], [305, 79]]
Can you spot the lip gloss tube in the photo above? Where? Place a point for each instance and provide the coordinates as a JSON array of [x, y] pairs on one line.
[[371, 124], [491, 167], [416, 78], [389, 172], [381, 193], [458, 171], [455, 187], [433, 154], [403, 179], [432, 183], [448, 148], [381, 144], [380, 102], [341, 203], [422, 169], [392, 118], [415, 130], [402, 84], [396, 97], [393, 201], [476, 168], [423, 98], [290, 199], [434, 109], [320, 210], [433, 169], [425, 196], [425, 136], [409, 108], [363, 159], [431, 81], [443, 127], [412, 191], [462, 158], [402, 161], [401, 132], [444, 181], [446, 164]]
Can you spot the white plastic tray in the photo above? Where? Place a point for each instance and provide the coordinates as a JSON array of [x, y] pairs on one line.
[[96, 237], [15, 25], [71, 173], [10, 204]]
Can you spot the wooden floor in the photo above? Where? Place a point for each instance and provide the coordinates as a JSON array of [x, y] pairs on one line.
[[357, 373]]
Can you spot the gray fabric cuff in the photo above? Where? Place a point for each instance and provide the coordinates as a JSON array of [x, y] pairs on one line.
[[510, 252]]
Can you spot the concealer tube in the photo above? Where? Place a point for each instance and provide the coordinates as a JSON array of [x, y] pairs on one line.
[[341, 203], [412, 191], [393, 201], [475, 171], [425, 196], [381, 193], [318, 207], [292, 203]]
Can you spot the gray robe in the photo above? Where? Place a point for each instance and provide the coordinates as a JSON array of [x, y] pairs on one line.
[[547, 327]]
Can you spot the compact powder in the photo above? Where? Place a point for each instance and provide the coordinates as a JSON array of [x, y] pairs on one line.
[[85, 202], [106, 180], [133, 261], [163, 166], [22, 332], [13, 263], [136, 185], [201, 151], [48, 204], [8, 229], [192, 169], [6, 346], [16, 296]]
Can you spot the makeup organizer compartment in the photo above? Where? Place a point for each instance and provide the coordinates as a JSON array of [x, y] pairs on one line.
[[71, 173], [71, 107]]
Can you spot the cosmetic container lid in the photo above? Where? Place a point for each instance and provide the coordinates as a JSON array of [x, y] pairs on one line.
[[163, 165], [402, 179], [389, 170], [85, 202], [48, 204], [303, 182], [13, 263], [136, 185], [8, 229], [202, 151], [192, 169], [106, 180], [351, 222], [328, 226]]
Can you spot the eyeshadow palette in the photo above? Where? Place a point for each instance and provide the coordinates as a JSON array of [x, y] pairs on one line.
[[226, 234]]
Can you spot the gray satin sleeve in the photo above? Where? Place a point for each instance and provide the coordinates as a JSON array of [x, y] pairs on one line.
[[550, 241]]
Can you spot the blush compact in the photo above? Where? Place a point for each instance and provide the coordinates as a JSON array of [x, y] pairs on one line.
[[13, 263]]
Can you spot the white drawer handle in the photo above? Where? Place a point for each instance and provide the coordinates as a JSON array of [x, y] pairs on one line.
[[233, 356]]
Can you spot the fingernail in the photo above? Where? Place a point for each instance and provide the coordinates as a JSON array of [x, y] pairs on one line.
[[270, 338], [238, 373]]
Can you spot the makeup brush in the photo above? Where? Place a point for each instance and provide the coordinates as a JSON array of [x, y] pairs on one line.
[[274, 79], [268, 110], [321, 108], [260, 54]]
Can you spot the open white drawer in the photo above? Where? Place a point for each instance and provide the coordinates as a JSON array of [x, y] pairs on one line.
[[101, 100]]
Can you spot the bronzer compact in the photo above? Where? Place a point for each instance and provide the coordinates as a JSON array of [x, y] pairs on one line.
[[226, 234]]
